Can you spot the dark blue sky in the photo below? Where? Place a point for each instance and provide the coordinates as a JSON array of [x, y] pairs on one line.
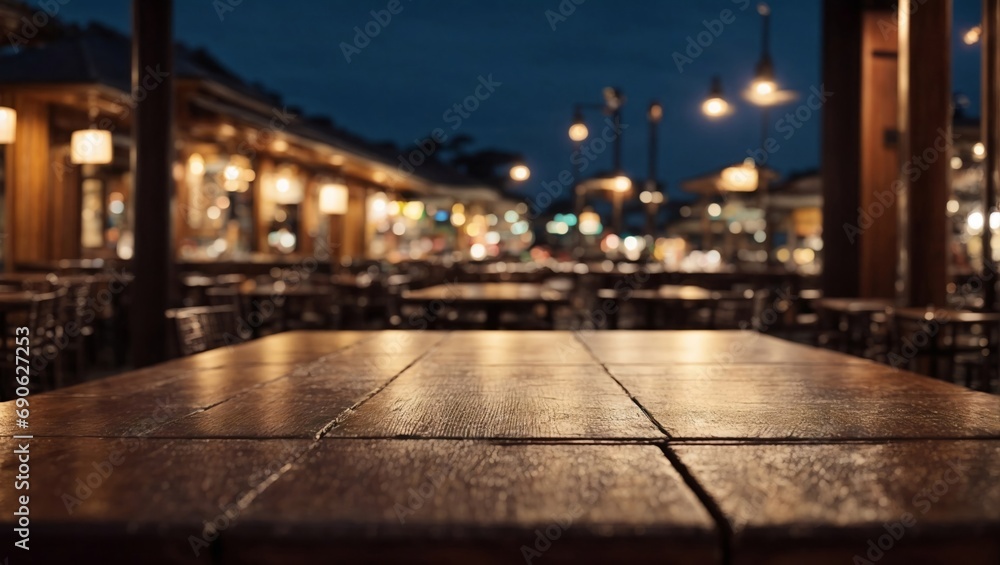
[[431, 54]]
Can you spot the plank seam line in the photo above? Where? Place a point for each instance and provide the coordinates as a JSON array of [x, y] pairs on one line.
[[722, 524], [350, 410], [718, 516], [247, 390], [247, 499]]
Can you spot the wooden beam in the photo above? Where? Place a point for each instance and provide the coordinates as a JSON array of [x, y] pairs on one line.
[[990, 124], [925, 149], [841, 163], [152, 160], [879, 155]]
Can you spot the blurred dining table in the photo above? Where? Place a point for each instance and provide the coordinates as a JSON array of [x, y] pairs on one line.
[[848, 321], [667, 303], [493, 298]]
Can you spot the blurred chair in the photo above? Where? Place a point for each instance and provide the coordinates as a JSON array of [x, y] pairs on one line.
[[202, 328], [76, 324], [41, 319]]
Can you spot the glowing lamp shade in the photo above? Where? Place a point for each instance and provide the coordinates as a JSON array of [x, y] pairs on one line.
[[621, 183], [8, 125], [90, 147], [333, 199], [743, 178], [520, 173], [578, 132], [715, 107]]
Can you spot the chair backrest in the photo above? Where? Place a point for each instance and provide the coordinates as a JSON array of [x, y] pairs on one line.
[[202, 328], [44, 316]]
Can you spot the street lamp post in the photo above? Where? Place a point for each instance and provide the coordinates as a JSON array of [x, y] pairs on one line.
[[763, 93], [652, 197], [614, 99]]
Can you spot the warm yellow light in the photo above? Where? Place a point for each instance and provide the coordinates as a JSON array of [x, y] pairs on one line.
[[979, 150], [231, 172], [971, 37], [90, 147], [8, 125], [414, 210], [578, 132], [333, 199], [621, 183], [590, 223], [280, 145], [714, 210], [764, 87], [458, 219], [743, 178], [520, 173], [287, 192], [196, 164], [715, 107]]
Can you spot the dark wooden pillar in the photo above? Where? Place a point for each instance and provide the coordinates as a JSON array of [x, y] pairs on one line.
[[840, 167], [925, 141], [152, 159], [991, 140], [879, 155]]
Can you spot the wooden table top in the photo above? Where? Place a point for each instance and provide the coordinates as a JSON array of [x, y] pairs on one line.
[[15, 300], [497, 447], [947, 315], [854, 305], [673, 293], [485, 293]]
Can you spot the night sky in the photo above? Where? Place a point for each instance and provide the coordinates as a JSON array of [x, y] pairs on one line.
[[432, 54]]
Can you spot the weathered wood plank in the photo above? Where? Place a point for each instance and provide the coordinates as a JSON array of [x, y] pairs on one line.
[[134, 500], [923, 501], [477, 502], [500, 401], [807, 402], [705, 347], [510, 348]]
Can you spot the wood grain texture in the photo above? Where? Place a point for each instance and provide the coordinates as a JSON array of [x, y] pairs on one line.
[[533, 401], [468, 501], [510, 348], [823, 503], [133, 500], [704, 347], [807, 402]]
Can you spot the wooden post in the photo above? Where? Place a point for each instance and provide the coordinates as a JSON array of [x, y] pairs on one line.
[[152, 159], [840, 168], [990, 124], [925, 150]]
